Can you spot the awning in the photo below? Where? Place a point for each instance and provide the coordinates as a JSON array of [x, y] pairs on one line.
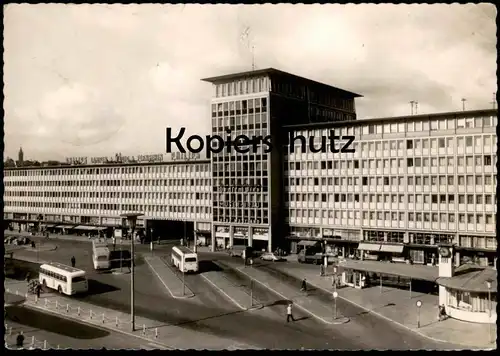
[[50, 225], [307, 243], [83, 227], [368, 247], [392, 248], [471, 279]]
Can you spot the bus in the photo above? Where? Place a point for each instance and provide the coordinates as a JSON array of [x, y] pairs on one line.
[[100, 254], [65, 279], [184, 259]]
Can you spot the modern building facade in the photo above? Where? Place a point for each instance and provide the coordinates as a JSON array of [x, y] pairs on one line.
[[92, 196], [411, 184], [247, 187]]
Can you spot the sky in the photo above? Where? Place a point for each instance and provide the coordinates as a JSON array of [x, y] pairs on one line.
[[95, 80]]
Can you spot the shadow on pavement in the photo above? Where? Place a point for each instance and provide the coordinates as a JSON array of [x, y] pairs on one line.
[[208, 266], [54, 324], [21, 268], [96, 287]]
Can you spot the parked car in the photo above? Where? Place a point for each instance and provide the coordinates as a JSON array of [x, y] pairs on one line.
[[269, 256], [9, 240]]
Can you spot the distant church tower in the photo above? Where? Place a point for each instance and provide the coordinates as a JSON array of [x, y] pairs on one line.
[[20, 157]]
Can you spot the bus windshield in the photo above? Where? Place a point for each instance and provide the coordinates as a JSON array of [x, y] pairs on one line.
[[190, 259], [78, 279]]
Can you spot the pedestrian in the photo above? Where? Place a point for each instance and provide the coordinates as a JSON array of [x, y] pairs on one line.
[[289, 314], [73, 261], [27, 277], [303, 287], [38, 290], [321, 270], [20, 340]]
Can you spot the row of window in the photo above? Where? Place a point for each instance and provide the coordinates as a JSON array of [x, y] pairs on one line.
[[171, 168], [468, 161], [468, 181], [114, 207], [111, 183], [110, 195], [242, 87], [469, 218], [469, 199], [55, 275], [405, 126]]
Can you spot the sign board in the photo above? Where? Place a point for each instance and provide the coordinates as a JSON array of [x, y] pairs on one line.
[[335, 295], [419, 303]]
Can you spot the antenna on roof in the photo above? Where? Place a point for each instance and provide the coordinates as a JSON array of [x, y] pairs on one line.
[[416, 107], [245, 37], [494, 102], [463, 104], [411, 103], [253, 57]]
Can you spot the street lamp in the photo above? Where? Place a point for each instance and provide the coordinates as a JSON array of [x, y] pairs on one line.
[[488, 285], [132, 220], [335, 296], [419, 304]]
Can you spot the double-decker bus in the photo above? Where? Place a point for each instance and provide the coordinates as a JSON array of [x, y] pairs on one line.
[[65, 279], [184, 259], [100, 254]]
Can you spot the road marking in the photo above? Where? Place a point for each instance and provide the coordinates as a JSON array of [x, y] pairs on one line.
[[220, 290], [282, 296], [161, 280]]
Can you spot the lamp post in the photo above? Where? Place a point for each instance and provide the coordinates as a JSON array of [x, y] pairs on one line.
[[488, 285], [132, 220], [335, 295], [419, 304], [195, 242]]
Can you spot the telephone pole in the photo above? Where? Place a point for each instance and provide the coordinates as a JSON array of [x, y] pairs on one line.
[[463, 104]]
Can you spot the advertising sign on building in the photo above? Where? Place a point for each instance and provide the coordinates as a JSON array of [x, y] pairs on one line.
[[240, 232]]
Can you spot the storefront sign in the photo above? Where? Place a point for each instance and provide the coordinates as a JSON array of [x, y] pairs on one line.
[[241, 221], [188, 156], [117, 158], [327, 232], [240, 188], [238, 204], [241, 231], [222, 231]]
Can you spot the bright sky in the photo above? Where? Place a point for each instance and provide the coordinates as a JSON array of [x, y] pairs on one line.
[[93, 80]]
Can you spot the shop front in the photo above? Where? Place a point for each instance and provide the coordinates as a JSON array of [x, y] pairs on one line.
[[203, 233], [222, 236], [240, 236], [260, 238]]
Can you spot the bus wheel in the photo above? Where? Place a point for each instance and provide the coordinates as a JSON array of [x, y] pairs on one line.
[[59, 289]]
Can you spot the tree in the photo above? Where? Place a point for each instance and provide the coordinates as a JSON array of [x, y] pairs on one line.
[[9, 163]]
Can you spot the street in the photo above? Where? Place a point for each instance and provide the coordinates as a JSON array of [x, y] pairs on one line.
[[211, 313], [65, 333]]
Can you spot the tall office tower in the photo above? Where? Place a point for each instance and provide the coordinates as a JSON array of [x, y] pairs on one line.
[[248, 187]]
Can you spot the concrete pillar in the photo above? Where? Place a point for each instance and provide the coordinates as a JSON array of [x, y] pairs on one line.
[[457, 259], [213, 242], [343, 251], [269, 241], [231, 235], [250, 236]]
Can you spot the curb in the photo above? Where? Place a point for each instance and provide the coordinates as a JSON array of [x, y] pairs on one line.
[[282, 296], [393, 321], [81, 321], [164, 284]]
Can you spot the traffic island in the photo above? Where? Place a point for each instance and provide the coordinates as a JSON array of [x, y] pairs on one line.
[[175, 286], [341, 320]]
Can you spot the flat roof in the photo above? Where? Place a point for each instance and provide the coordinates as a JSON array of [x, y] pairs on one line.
[[407, 118], [63, 267], [269, 71], [471, 278], [184, 249], [108, 165], [425, 273]]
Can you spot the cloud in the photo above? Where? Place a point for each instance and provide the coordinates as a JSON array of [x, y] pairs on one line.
[[99, 79]]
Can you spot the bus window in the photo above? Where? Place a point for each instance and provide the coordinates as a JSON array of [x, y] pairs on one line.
[[190, 259], [78, 279]]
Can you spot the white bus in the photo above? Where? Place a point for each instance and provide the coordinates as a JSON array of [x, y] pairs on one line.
[[65, 279], [184, 259], [100, 255]]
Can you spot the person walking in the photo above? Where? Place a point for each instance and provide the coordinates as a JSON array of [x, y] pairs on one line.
[[289, 315], [20, 340], [73, 261], [322, 270], [38, 289], [303, 287]]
